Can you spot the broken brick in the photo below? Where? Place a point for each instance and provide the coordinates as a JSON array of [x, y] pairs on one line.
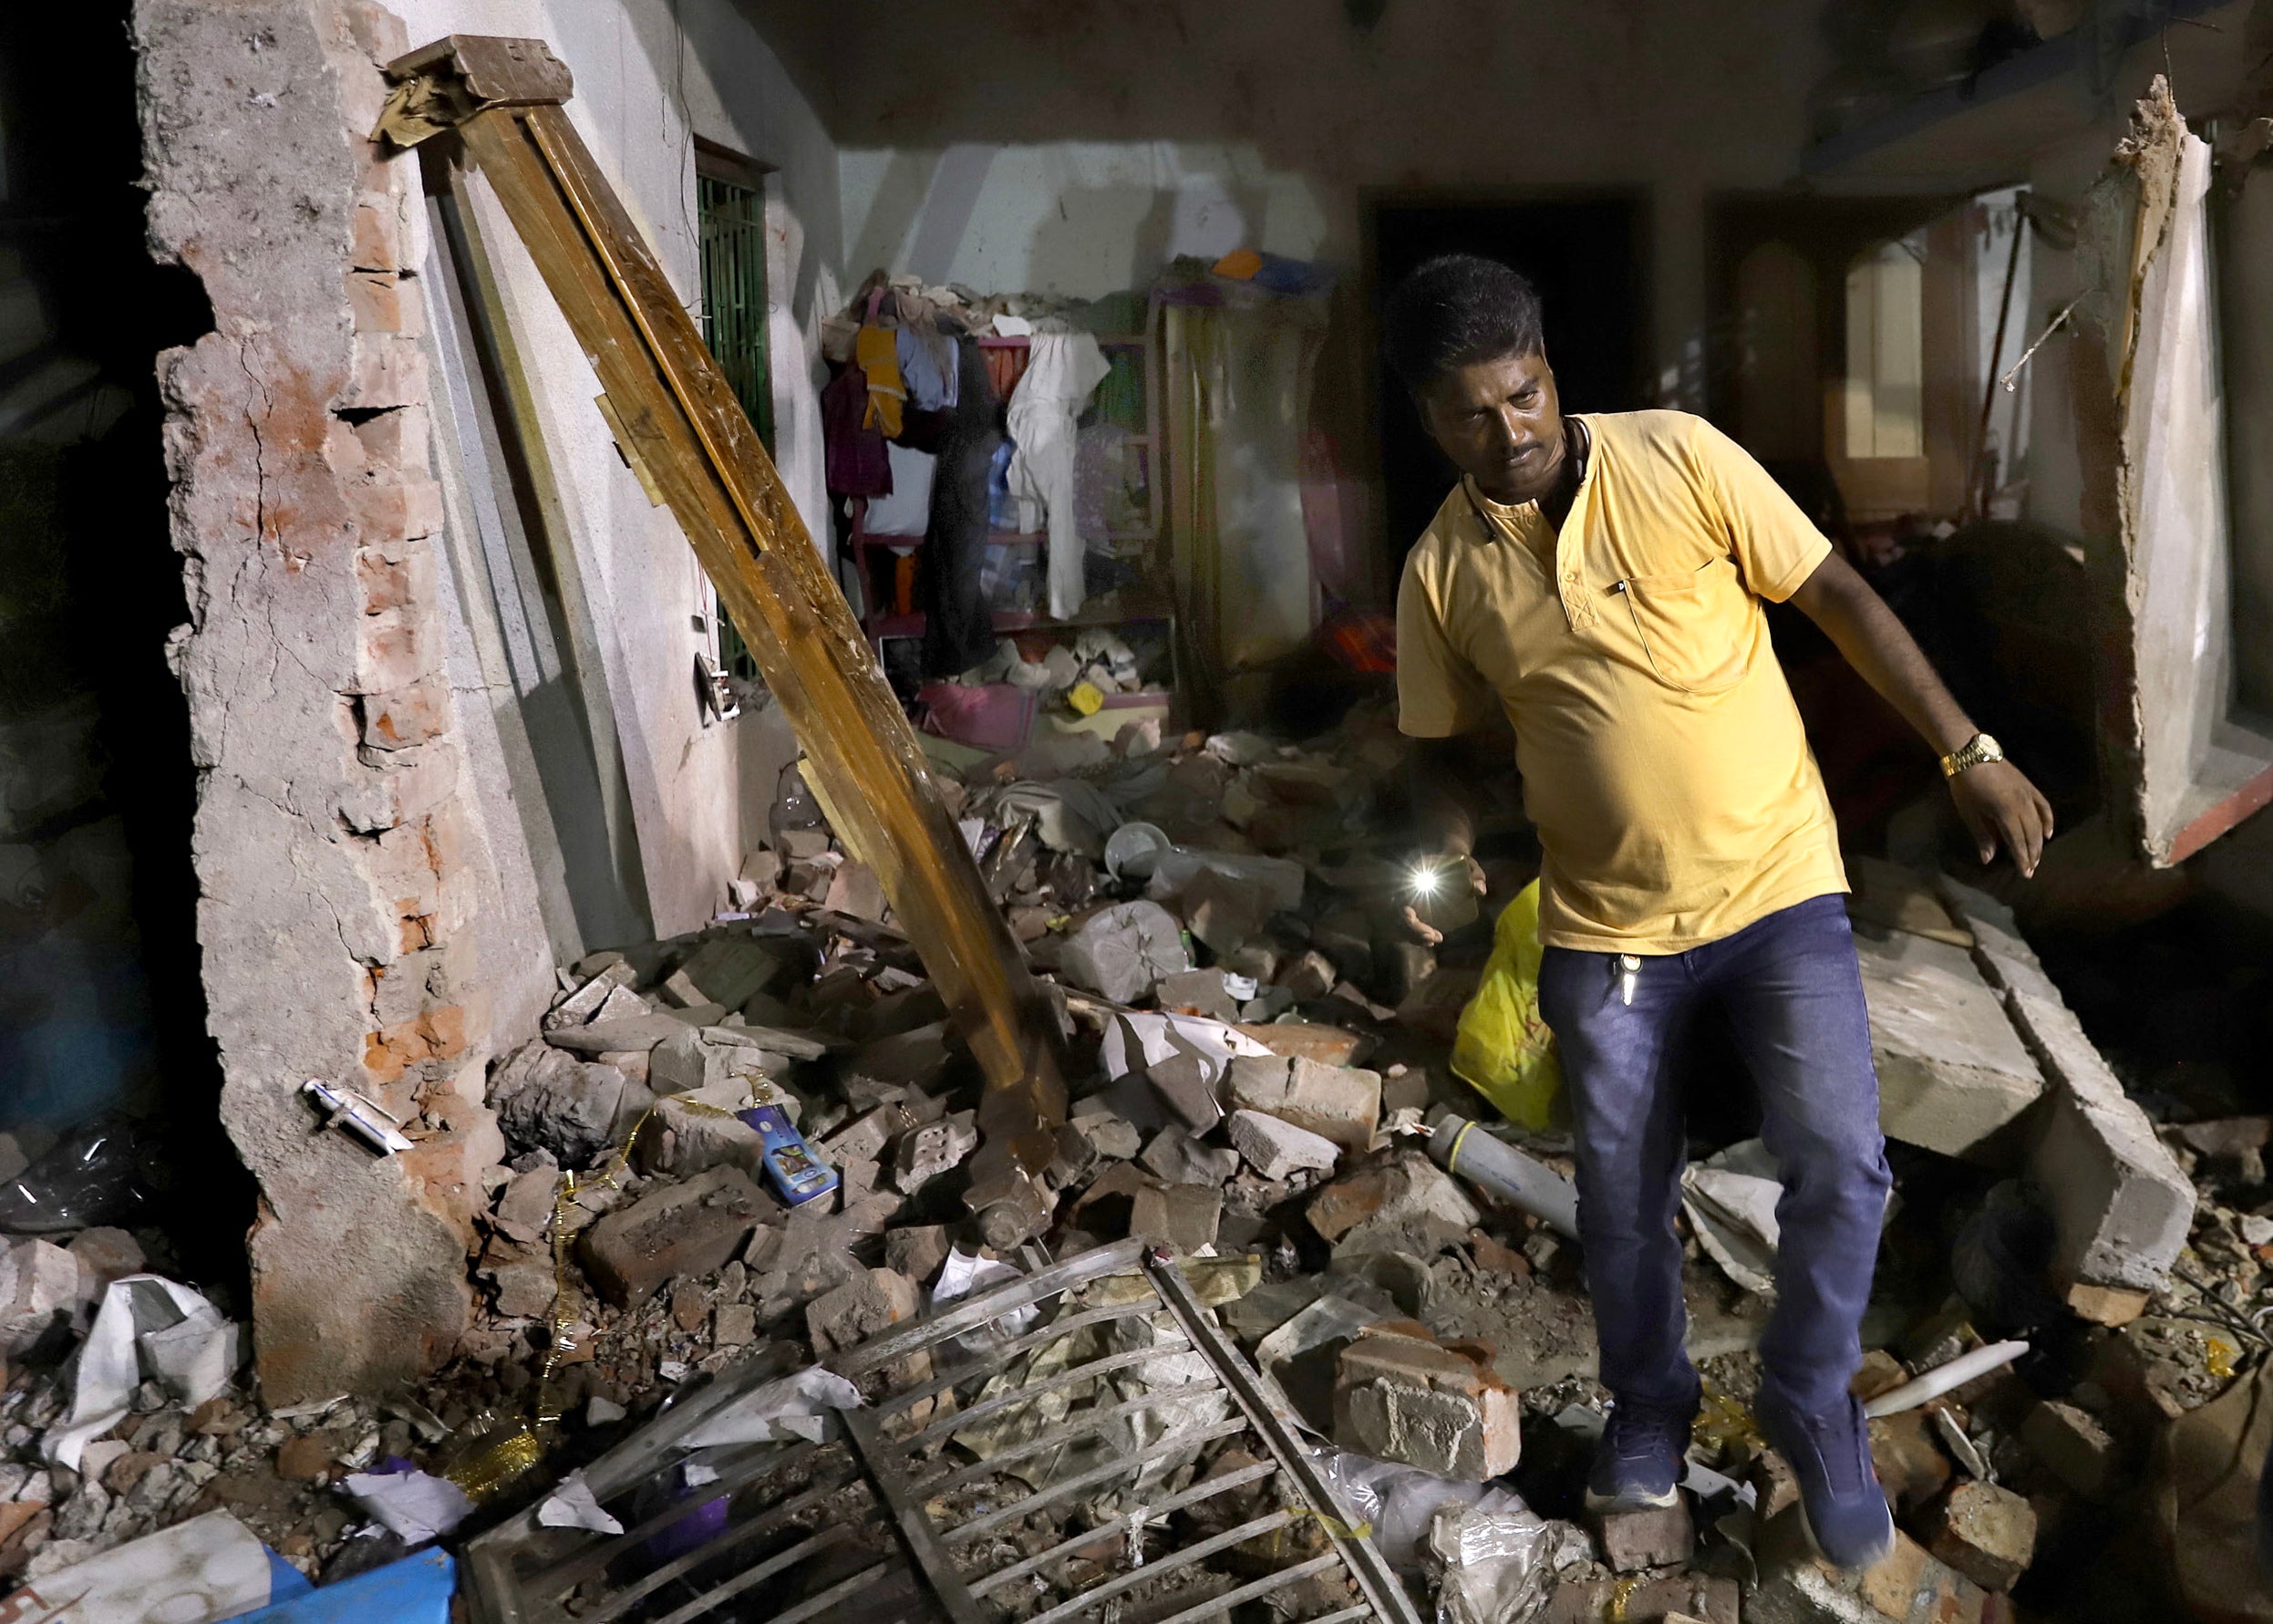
[[1401, 1396], [1181, 1218], [1278, 1148], [861, 1308], [1985, 1532], [690, 1229], [1338, 1103], [1640, 1536]]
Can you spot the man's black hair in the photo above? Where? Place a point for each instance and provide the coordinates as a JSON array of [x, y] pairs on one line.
[[1454, 310]]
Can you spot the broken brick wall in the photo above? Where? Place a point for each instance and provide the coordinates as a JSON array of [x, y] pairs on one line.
[[370, 864], [340, 868]]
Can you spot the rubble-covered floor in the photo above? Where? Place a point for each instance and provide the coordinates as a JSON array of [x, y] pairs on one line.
[[1258, 1045]]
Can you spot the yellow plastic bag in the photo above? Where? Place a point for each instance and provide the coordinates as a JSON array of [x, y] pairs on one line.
[[1503, 1049]]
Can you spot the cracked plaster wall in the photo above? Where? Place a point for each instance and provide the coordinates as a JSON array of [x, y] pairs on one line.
[[340, 871], [367, 912]]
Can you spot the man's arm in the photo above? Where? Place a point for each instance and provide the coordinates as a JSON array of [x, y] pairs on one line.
[[1998, 803], [1444, 817]]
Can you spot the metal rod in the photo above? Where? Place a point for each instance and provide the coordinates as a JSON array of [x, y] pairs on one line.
[[996, 1357], [1092, 1422], [796, 1615], [915, 1528], [2030, 353], [1263, 1587], [1206, 1489], [1129, 1466], [1121, 1258], [1381, 1587], [1169, 1564], [1096, 1367], [719, 1545]]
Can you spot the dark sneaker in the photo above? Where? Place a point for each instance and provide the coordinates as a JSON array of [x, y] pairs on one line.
[[1830, 1454], [1639, 1461]]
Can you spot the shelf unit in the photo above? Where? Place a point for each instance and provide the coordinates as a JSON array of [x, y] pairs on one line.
[[1138, 602]]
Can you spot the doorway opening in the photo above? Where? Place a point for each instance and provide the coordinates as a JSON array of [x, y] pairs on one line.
[[1586, 256]]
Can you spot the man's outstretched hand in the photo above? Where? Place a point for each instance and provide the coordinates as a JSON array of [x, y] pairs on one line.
[[1457, 871], [2001, 808]]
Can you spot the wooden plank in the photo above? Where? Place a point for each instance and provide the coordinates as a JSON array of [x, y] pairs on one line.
[[678, 414]]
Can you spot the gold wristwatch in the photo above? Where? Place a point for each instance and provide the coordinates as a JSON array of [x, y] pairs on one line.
[[1975, 750]]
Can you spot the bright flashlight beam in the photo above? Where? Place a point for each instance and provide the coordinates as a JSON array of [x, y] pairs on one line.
[[1425, 880]]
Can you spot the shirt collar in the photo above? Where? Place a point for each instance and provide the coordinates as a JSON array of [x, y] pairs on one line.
[[1505, 521]]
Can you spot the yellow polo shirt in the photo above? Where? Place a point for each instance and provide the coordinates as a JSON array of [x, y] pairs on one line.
[[1662, 756]]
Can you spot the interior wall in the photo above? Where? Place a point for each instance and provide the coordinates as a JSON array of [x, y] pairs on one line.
[[1077, 219], [1135, 132], [650, 73]]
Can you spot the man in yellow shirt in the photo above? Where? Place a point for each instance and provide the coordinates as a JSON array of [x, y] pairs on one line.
[[1600, 581]]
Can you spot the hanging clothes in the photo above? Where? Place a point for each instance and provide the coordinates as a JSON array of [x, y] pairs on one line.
[[1065, 368], [927, 365], [878, 352], [858, 464], [958, 620]]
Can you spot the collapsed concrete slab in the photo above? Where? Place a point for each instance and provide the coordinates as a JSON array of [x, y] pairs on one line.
[[2120, 1204], [1952, 1072]]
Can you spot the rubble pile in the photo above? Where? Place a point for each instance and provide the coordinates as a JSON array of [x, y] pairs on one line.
[[748, 1148]]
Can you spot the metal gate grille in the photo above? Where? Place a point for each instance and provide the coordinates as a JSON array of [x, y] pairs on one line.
[[1081, 1443], [733, 220]]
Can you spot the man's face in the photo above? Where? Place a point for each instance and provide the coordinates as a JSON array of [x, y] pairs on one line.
[[1501, 423]]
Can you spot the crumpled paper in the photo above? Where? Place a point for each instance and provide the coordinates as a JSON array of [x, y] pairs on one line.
[[1730, 1199], [147, 1328], [1157, 1036], [794, 1407], [572, 1505], [413, 1505]]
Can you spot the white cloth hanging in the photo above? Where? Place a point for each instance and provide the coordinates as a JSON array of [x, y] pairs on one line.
[[1061, 372]]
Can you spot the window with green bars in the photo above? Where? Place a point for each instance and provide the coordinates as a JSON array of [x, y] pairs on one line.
[[730, 205]]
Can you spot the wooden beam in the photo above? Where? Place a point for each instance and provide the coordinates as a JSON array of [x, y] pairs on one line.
[[679, 420]]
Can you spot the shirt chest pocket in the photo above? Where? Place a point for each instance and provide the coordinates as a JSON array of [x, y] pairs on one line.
[[1696, 627]]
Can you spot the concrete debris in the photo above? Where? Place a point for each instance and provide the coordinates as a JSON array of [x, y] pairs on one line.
[[686, 1228], [1176, 1157], [1403, 1203], [873, 1301], [1952, 1072], [1122, 951], [933, 1149], [684, 1137], [1278, 1148], [1985, 1532], [2120, 1204], [1635, 1538], [1401, 1396], [1182, 1218], [39, 1294], [2071, 1444], [1341, 1103], [1256, 1053], [577, 1007], [577, 1110], [1114, 1138]]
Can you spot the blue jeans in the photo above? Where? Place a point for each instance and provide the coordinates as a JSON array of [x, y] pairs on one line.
[[1792, 994]]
